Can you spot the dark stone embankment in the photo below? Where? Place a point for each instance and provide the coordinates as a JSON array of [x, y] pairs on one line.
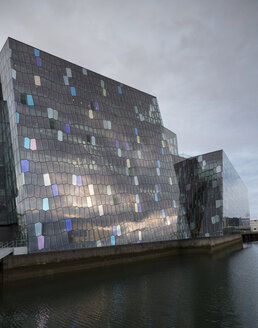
[[43, 264], [250, 236]]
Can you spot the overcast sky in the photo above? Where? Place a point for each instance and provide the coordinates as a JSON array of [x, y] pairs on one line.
[[199, 57]]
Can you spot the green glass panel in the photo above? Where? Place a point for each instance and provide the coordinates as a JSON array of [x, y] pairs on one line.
[[52, 123], [23, 99]]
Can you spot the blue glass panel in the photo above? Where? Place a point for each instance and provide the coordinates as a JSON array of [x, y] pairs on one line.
[[45, 204], [36, 52], [73, 91], [156, 197], [119, 89], [17, 117], [163, 214], [67, 128], [30, 100], [113, 240], [24, 165], [136, 131], [54, 190], [27, 143], [158, 162], [162, 151], [68, 224]]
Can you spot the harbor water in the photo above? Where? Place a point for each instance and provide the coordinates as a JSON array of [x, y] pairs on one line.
[[184, 291]]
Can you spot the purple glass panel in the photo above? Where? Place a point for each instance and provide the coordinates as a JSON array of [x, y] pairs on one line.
[[24, 165], [117, 144], [96, 104], [159, 187], [67, 128], [54, 190], [39, 61], [79, 180], [127, 146], [40, 242], [114, 230], [139, 208]]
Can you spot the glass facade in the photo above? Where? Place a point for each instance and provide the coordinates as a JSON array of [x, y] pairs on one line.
[[213, 198], [92, 162]]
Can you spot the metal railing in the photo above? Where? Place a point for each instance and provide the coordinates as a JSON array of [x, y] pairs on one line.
[[13, 243]]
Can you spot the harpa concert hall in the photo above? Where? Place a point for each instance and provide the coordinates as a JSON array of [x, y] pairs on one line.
[[85, 161]]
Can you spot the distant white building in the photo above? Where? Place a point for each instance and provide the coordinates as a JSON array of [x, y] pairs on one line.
[[254, 225]]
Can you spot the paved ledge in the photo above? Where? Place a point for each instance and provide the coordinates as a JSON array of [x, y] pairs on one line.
[[43, 264]]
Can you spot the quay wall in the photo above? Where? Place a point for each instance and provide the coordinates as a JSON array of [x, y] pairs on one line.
[[16, 267]]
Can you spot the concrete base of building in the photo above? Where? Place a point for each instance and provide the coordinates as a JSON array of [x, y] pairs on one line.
[[17, 267]]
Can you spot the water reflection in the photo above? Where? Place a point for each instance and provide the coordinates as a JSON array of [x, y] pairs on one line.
[[185, 291]]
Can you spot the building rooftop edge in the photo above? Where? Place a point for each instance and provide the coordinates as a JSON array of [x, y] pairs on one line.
[[10, 38]]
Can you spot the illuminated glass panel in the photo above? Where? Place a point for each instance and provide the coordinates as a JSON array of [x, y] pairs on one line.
[[66, 80], [69, 72], [37, 80], [45, 204], [30, 100], [33, 144], [27, 143], [96, 105], [68, 224], [60, 135], [91, 189], [50, 113], [54, 190], [91, 113], [41, 241], [113, 240], [109, 190], [46, 179], [89, 203], [67, 128], [24, 165], [36, 52], [73, 91], [119, 230], [79, 180], [101, 211], [38, 229], [38, 61]]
